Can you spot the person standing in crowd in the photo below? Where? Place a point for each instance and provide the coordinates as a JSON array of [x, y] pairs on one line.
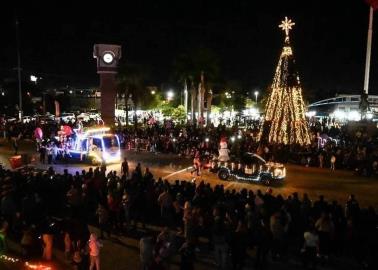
[[352, 208], [278, 227], [197, 163], [187, 255], [49, 150], [103, 220], [166, 203], [308, 161], [321, 160], [77, 261], [333, 161], [67, 244], [47, 238], [310, 247], [94, 252], [262, 237], [146, 246], [42, 153], [325, 228], [125, 168], [220, 243], [239, 246], [138, 171], [55, 151], [163, 247], [15, 144], [27, 241]]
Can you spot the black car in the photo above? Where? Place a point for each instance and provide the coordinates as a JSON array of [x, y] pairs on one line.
[[251, 168]]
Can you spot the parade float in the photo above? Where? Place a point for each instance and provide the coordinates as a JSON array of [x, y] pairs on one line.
[[96, 145]]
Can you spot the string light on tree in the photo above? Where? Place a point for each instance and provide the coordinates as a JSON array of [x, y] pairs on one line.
[[285, 121]]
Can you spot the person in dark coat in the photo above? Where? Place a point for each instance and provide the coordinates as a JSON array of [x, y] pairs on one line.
[[239, 246], [187, 255]]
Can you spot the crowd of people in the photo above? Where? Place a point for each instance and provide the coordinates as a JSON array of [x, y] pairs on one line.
[[195, 219]]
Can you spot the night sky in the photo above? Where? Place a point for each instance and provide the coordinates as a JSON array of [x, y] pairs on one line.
[[329, 40]]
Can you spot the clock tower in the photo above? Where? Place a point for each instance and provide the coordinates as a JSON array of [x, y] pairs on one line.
[[107, 63]]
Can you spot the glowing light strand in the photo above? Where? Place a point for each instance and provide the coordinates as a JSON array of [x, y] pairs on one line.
[[28, 265], [37, 266], [8, 259]]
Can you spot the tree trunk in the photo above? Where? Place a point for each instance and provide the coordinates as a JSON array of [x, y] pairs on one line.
[[208, 106], [193, 103], [135, 115], [127, 108]]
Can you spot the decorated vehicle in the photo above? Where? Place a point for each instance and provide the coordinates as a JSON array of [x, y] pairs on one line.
[[250, 168], [96, 145]]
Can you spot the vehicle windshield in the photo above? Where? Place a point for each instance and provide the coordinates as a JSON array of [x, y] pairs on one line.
[[111, 142], [252, 159]]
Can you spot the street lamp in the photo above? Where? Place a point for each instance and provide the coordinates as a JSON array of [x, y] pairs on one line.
[[186, 101], [256, 94], [33, 78], [19, 71], [170, 95], [153, 92]]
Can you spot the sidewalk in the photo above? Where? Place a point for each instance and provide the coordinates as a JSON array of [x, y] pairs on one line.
[[14, 252]]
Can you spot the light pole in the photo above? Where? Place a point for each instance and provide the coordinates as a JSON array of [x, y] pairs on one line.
[[256, 94], [364, 103], [368, 51], [33, 79], [186, 101], [19, 70], [170, 95]]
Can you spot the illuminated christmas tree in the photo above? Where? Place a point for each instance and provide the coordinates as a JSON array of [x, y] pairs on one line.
[[285, 121]]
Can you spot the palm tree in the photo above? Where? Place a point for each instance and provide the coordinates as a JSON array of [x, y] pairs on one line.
[[131, 82], [188, 67]]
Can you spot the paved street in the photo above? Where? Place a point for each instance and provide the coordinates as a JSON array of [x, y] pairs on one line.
[[334, 185]]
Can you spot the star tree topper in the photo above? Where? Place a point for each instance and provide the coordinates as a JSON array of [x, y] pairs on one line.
[[286, 26]]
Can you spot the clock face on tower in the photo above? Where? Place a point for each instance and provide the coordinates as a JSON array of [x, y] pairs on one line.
[[108, 57]]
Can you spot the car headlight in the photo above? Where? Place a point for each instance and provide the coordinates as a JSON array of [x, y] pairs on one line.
[[106, 155], [278, 172]]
